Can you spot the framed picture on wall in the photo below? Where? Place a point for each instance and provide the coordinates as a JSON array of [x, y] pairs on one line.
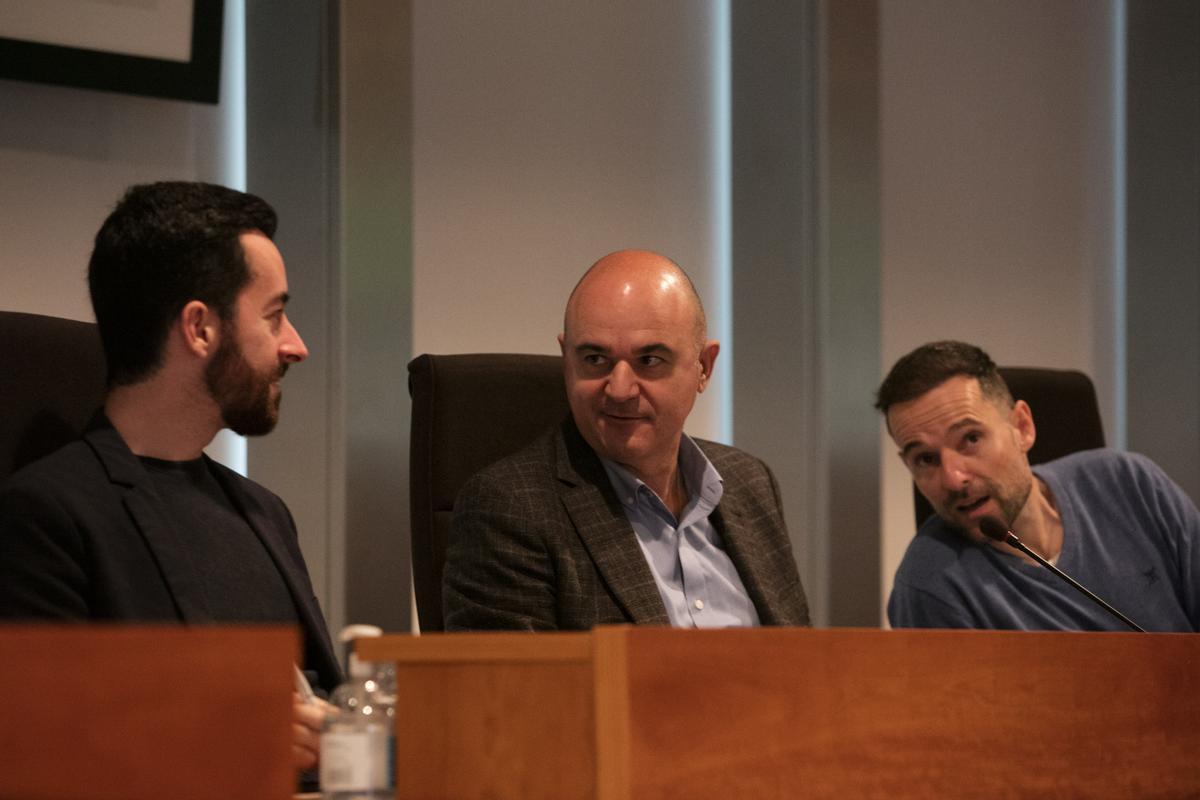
[[156, 48]]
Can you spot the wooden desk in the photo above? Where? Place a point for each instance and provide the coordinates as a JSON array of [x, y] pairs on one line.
[[781, 713], [146, 713]]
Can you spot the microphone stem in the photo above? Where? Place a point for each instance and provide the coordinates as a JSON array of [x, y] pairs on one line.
[[1012, 540]]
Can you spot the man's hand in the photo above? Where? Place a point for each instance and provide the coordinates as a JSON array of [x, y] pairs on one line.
[[307, 719]]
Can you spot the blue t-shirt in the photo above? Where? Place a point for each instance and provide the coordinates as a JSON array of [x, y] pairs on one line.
[[1130, 535]]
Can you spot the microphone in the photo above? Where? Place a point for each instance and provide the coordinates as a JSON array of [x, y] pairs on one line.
[[994, 529]]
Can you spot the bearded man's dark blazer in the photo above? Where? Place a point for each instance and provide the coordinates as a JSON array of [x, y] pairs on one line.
[[83, 536], [541, 542]]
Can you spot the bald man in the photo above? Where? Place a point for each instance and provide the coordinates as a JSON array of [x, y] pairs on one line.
[[617, 516]]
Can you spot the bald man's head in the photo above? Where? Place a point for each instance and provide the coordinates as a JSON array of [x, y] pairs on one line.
[[635, 357], [642, 270]]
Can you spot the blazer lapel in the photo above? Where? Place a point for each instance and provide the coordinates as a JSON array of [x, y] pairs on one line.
[[758, 564], [739, 540], [601, 524], [296, 581], [125, 470]]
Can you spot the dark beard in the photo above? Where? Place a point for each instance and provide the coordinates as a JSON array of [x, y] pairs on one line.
[[243, 395]]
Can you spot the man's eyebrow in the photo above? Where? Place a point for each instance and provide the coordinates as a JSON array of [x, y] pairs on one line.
[[653, 347], [965, 422], [280, 299]]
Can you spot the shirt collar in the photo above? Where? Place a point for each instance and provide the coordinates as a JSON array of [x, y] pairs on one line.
[[695, 467]]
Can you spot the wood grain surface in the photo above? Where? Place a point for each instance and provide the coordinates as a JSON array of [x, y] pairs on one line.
[[135, 713]]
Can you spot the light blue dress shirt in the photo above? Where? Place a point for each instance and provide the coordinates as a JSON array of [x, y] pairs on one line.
[[698, 583]]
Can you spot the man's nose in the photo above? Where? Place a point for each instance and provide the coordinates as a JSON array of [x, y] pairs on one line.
[[622, 383], [292, 346], [954, 471]]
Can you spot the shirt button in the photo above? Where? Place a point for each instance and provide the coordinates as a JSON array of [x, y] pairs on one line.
[[699, 604]]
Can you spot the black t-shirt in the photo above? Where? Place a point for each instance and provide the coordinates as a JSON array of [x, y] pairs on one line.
[[240, 580]]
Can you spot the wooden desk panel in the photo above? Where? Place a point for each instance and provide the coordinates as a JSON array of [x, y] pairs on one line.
[[146, 712], [786, 713], [491, 715], [838, 713]]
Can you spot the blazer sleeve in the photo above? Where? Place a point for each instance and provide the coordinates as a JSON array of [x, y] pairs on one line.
[[499, 574], [43, 573]]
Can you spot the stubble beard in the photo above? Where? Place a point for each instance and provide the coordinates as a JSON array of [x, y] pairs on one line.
[[1011, 503]]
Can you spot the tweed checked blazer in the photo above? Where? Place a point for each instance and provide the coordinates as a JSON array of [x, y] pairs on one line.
[[541, 542]]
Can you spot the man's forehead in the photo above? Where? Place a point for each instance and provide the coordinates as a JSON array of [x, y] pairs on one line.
[[627, 318], [617, 327], [949, 404]]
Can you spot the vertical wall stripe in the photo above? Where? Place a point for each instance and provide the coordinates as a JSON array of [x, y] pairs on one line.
[[1120, 391], [228, 447], [721, 321], [233, 97]]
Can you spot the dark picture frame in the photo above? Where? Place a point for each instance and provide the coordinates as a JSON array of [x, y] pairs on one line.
[[198, 80]]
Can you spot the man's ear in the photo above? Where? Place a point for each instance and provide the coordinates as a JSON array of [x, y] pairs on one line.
[[1021, 418], [199, 328], [708, 359], [562, 346]]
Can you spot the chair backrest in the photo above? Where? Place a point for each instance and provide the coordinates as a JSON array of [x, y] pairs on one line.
[[51, 381], [467, 412], [1065, 412]]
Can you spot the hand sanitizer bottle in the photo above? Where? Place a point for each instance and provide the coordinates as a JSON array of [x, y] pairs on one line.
[[356, 741]]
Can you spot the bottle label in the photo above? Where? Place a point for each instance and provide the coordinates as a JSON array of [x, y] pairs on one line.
[[354, 761]]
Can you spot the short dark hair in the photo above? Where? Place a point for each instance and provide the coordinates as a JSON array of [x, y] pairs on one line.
[[164, 245], [932, 364]]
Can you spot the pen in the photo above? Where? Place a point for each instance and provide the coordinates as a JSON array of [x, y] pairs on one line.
[[302, 687]]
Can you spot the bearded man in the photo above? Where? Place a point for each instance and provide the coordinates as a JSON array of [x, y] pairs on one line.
[[133, 523], [1114, 521]]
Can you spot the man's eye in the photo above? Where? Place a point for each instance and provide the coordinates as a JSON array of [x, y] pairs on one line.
[[593, 359], [651, 361], [973, 437], [924, 460]]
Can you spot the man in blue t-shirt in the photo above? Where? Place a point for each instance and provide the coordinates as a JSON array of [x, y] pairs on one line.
[[1113, 521]]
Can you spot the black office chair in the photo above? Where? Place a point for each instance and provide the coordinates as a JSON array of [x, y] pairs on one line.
[[1065, 412], [467, 412], [52, 379]]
